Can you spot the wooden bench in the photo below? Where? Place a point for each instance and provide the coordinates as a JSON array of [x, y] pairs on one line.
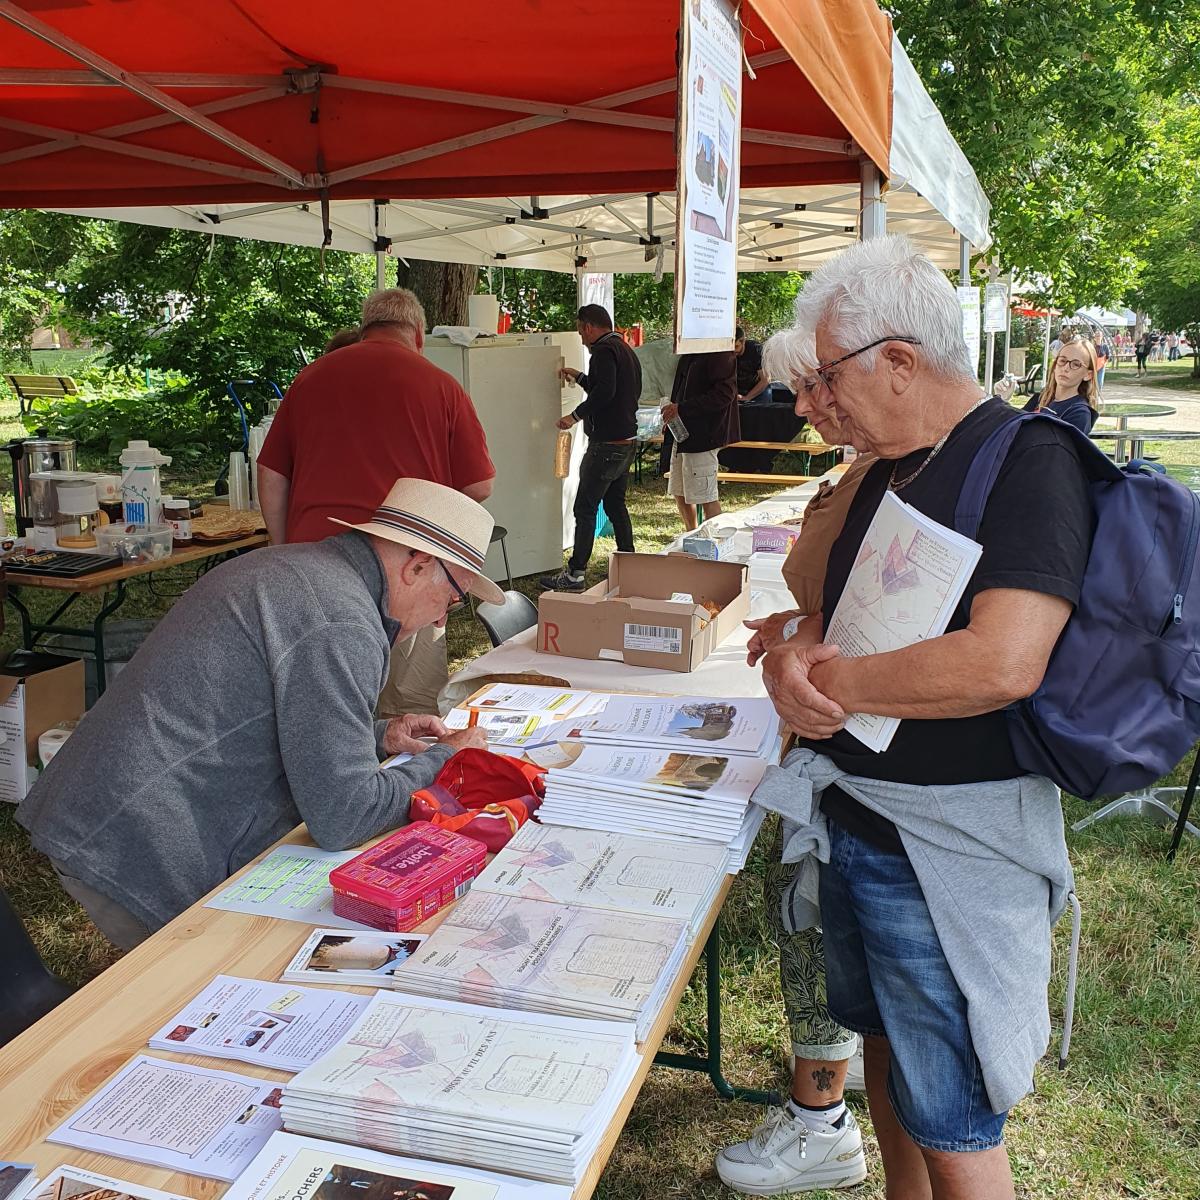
[[40, 387], [747, 477], [795, 447]]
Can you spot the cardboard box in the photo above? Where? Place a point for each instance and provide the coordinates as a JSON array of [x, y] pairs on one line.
[[632, 618], [37, 691]]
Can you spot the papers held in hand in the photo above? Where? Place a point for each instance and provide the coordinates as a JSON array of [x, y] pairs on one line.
[[908, 578]]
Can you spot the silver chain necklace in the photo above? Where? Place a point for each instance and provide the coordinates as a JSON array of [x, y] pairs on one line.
[[896, 485]]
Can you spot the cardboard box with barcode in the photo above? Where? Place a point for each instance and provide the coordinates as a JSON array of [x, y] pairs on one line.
[[655, 610], [37, 692]]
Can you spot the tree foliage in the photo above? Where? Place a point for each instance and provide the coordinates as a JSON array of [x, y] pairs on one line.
[[1065, 111], [205, 309]]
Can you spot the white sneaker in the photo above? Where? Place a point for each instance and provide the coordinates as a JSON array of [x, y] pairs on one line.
[[785, 1155]]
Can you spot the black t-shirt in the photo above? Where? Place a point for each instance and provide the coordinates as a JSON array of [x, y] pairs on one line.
[[749, 365], [1036, 534]]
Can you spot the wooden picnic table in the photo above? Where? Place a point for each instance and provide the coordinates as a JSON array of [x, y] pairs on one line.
[[100, 581]]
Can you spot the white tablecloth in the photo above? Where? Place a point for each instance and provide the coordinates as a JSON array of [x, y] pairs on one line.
[[722, 673]]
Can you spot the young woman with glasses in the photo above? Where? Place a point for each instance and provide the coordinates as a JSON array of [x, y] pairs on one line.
[[1071, 392]]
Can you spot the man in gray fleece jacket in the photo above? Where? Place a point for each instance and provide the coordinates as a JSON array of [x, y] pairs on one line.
[[250, 709]]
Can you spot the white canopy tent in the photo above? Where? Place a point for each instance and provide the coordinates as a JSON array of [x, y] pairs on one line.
[[935, 199]]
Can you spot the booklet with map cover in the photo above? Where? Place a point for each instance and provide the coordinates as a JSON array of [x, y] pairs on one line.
[[908, 578]]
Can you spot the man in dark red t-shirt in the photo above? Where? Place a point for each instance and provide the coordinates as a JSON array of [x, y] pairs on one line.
[[354, 422]]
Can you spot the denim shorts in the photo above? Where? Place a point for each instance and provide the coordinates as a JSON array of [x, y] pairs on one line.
[[887, 976]]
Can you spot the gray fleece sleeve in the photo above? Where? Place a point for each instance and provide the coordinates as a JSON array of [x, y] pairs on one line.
[[325, 693]]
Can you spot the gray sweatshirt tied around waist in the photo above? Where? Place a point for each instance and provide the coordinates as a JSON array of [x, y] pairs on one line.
[[991, 859]]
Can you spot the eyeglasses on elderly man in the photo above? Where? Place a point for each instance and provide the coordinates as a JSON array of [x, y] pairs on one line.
[[820, 374]]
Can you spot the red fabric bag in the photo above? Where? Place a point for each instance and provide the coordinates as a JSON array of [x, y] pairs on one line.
[[481, 795]]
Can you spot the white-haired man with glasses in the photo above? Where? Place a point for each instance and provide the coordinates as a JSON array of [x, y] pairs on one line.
[[944, 866]]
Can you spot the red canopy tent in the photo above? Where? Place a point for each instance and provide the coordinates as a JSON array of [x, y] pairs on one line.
[[153, 102]]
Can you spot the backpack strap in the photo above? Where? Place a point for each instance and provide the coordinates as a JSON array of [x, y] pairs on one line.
[[989, 458]]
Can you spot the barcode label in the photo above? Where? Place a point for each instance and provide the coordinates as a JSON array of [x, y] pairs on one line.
[[664, 639], [462, 889]]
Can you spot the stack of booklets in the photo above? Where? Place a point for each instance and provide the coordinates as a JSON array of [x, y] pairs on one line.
[[299, 1168], [745, 727], [656, 793], [513, 953], [617, 871], [530, 1094]]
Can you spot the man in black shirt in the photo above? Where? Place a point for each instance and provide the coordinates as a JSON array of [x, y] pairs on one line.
[[896, 376], [613, 384], [751, 378]]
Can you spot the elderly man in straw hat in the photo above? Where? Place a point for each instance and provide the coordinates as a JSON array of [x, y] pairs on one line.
[[250, 709]]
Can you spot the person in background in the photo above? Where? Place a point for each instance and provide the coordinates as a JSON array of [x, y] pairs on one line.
[[353, 422], [613, 384], [752, 380], [1056, 345], [250, 709], [704, 396], [825, 1063], [943, 865], [1172, 347], [343, 337], [1070, 394], [1103, 353], [1141, 351]]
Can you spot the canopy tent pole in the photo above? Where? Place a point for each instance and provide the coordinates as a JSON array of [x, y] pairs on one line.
[[989, 362], [1046, 347], [964, 262], [872, 206], [1008, 326]]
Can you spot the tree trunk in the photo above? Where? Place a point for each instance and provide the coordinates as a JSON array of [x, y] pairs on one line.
[[442, 288]]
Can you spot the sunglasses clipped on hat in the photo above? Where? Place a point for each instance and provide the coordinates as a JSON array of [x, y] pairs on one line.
[[437, 520]]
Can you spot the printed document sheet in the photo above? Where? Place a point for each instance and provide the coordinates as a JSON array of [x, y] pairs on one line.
[[907, 580]]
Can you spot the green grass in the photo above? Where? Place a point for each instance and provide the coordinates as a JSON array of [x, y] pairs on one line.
[[1122, 1121]]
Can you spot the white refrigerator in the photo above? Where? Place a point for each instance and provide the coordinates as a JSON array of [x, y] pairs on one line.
[[513, 381]]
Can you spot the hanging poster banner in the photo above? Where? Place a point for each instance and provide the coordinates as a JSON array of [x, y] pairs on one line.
[[968, 301], [995, 308], [596, 287], [709, 136]]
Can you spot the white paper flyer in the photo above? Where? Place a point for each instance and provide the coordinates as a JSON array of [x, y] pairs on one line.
[[74, 1183], [172, 1115], [279, 1025], [350, 959], [907, 580], [291, 883]]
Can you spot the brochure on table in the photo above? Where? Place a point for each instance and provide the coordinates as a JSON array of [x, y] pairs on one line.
[[350, 958], [291, 883], [613, 871], [74, 1183], [742, 727], [526, 1093], [908, 577], [279, 1025], [302, 1168], [177, 1116], [510, 952]]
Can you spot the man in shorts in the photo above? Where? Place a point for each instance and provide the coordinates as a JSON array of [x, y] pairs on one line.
[[704, 398]]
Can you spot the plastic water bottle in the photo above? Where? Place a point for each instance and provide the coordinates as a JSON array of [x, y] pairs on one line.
[[141, 487], [679, 431]]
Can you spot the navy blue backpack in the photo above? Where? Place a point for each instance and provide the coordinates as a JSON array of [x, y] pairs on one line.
[[1119, 706]]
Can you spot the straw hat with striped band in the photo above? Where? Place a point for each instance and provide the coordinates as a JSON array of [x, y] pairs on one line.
[[439, 521]]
